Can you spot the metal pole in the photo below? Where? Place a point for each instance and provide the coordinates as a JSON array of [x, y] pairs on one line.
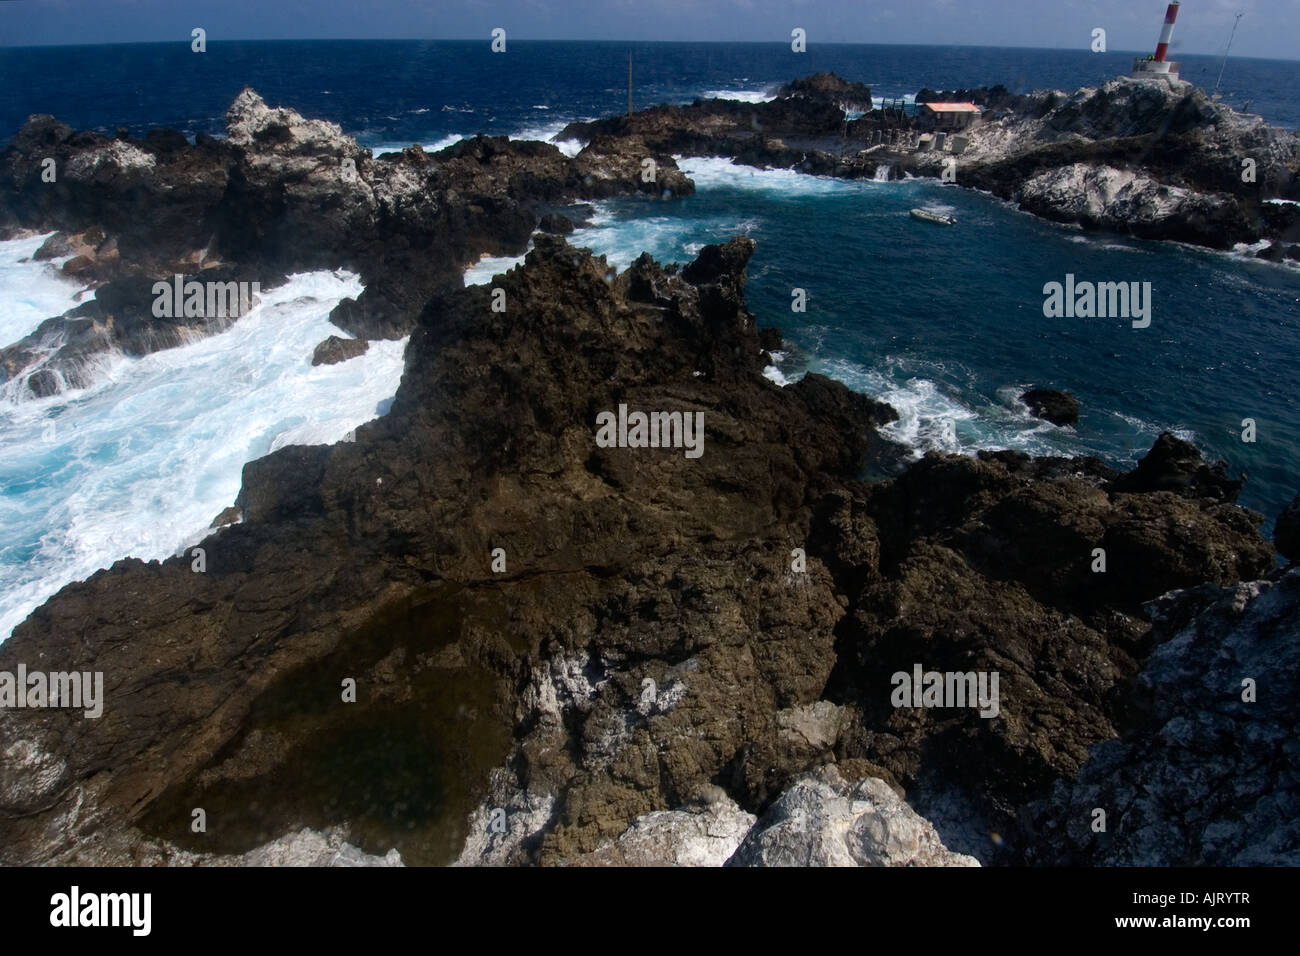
[[1225, 52]]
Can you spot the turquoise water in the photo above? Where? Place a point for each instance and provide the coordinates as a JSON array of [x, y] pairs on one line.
[[947, 323]]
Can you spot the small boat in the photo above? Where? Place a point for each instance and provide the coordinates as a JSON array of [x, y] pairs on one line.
[[934, 217]]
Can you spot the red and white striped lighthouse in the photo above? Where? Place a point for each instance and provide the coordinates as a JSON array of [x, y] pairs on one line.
[[1167, 32], [1158, 67]]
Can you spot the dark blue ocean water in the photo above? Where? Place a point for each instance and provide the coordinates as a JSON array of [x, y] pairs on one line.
[[945, 323], [380, 90]]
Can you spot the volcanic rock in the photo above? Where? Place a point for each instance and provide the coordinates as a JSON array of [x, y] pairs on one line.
[[1176, 465], [1059, 408], [1133, 157], [576, 637], [284, 194], [556, 223], [228, 516], [335, 349], [699, 836], [61, 352]]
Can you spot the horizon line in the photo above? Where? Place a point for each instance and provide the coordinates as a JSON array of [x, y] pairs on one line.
[[965, 46]]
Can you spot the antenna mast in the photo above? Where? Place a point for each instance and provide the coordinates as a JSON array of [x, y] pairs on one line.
[[1225, 52]]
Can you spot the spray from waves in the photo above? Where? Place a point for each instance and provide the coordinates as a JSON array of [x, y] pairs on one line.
[[436, 146], [935, 415], [30, 291], [569, 147], [743, 96], [141, 462], [546, 134], [487, 267], [621, 239], [710, 172]]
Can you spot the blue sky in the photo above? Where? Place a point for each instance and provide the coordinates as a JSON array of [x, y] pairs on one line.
[[1269, 29]]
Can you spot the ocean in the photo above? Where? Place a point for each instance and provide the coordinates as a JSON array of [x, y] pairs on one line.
[[946, 324]]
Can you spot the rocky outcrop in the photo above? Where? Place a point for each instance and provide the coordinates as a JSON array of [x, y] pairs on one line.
[[1132, 157], [476, 633], [335, 349], [412, 499], [227, 516], [556, 223], [280, 194], [1138, 158], [1032, 570], [820, 88], [1059, 408], [1176, 466], [823, 820], [704, 835], [810, 106], [306, 848], [1209, 773]]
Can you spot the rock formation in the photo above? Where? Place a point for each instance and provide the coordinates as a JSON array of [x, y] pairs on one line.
[[335, 349], [1130, 157], [1209, 772], [280, 194], [824, 821], [554, 643], [477, 633], [1059, 408], [1137, 158]]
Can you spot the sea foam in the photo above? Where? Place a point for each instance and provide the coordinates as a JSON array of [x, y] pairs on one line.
[[30, 291], [141, 462]]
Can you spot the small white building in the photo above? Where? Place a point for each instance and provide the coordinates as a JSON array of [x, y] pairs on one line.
[[953, 115]]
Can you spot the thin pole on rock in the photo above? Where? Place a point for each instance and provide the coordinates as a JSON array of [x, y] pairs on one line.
[[1225, 52]]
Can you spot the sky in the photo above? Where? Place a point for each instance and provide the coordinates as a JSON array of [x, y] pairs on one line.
[[1270, 28]]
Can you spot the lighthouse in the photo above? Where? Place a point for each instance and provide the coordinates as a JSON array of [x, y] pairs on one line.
[[1158, 66]]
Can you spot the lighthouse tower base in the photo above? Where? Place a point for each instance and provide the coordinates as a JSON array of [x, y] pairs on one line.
[[1160, 71]]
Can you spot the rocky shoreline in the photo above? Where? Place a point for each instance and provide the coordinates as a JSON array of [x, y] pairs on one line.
[[280, 194], [1130, 157], [283, 194], [562, 653]]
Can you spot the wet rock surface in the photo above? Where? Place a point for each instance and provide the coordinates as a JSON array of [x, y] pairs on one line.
[[657, 633], [1059, 408], [336, 349]]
